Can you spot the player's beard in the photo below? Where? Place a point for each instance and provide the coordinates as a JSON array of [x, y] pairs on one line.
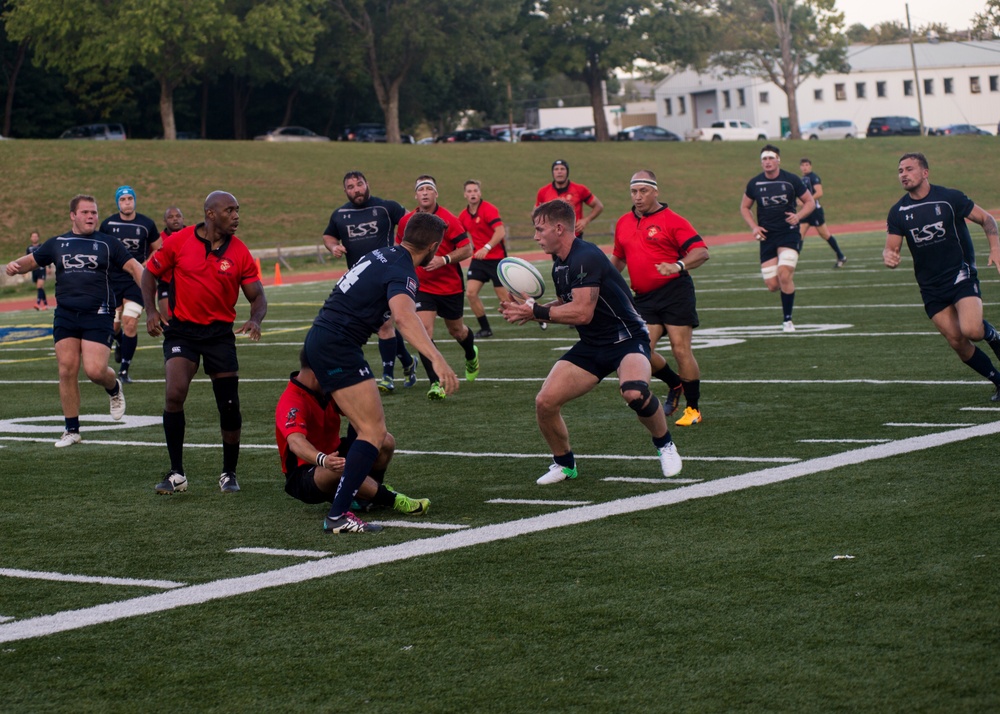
[[364, 198]]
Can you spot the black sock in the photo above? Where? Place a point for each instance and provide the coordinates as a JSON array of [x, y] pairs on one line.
[[990, 333], [387, 349], [836, 248], [129, 345], [41, 295], [484, 322], [378, 475], [114, 390], [230, 457], [73, 424], [405, 358], [692, 392], [787, 300], [467, 344], [668, 375], [431, 374], [173, 430], [660, 441], [982, 364], [384, 497], [567, 460]]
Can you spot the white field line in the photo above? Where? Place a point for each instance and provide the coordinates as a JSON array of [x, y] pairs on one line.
[[281, 551], [66, 578], [537, 502], [4, 618], [426, 525], [231, 587], [925, 425], [979, 409], [843, 441], [628, 479]]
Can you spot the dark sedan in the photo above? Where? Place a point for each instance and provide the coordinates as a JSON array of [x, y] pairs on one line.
[[646, 133], [556, 133], [958, 130], [466, 135]]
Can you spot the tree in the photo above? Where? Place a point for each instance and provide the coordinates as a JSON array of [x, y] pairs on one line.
[[986, 24], [785, 42]]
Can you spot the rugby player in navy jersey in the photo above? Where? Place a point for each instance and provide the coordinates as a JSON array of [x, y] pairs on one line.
[[381, 284], [83, 322], [593, 296], [361, 225], [775, 192], [139, 235], [37, 275], [817, 219], [931, 219]]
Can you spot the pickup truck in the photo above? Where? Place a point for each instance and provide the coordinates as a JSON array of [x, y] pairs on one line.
[[727, 130]]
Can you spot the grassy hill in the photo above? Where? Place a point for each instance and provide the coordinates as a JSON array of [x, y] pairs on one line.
[[287, 191]]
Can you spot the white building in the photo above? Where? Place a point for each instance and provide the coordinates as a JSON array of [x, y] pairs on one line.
[[959, 84]]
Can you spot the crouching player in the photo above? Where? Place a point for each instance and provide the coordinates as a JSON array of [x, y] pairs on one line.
[[307, 428]]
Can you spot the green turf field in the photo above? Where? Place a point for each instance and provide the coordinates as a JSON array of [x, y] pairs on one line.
[[832, 545]]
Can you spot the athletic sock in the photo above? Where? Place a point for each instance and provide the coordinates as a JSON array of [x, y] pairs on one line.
[[73, 424], [660, 441], [431, 374], [992, 337], [41, 295], [173, 431], [567, 460], [384, 497], [360, 458], [787, 301], [484, 322], [692, 392], [836, 248], [114, 390], [982, 364], [378, 475], [129, 346], [387, 349], [467, 344], [230, 457], [669, 376], [405, 358]]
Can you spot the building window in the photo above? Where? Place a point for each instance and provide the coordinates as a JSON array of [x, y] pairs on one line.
[[907, 87], [741, 97], [994, 83], [840, 92], [681, 106], [670, 106], [929, 87], [974, 85], [727, 103], [765, 98], [949, 85], [818, 95], [880, 89], [861, 89]]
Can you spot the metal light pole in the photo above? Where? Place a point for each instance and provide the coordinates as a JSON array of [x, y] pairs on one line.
[[916, 77]]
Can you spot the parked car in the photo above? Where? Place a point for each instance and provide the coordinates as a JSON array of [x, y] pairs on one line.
[[646, 133], [426, 140], [893, 126], [291, 133], [727, 130], [99, 132], [827, 129], [370, 132], [504, 134], [556, 133], [466, 135], [957, 130]]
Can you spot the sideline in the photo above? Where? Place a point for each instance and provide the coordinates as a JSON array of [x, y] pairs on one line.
[[230, 587]]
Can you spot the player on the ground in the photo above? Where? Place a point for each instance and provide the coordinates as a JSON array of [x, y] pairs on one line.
[[442, 291], [37, 275], [482, 222], [173, 222], [593, 296], [307, 429], [817, 219], [932, 221], [140, 237], [575, 194], [82, 327], [384, 280], [361, 225], [775, 192], [208, 266], [660, 249]]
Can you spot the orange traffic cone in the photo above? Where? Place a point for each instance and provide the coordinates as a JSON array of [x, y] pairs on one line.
[[277, 274], [260, 273]]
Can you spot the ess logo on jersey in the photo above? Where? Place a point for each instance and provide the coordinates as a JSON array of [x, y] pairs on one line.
[[929, 232], [360, 230], [88, 262], [774, 200]]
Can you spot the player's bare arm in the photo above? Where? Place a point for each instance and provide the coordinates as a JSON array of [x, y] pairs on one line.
[[890, 254], [24, 264], [254, 292], [808, 206], [499, 235], [333, 245], [989, 224], [596, 207], [578, 311], [456, 256], [154, 322], [745, 205], [302, 448], [404, 313], [698, 256]]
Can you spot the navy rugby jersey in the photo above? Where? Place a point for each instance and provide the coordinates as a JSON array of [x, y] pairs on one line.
[[359, 303], [84, 265], [774, 198], [811, 180], [361, 229], [137, 235], [935, 231], [615, 317]]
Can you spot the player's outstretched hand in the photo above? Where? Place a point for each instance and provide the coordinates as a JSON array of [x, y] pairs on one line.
[[447, 376], [251, 329], [516, 313]]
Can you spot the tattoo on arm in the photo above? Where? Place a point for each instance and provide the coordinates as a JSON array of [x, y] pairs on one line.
[[990, 226]]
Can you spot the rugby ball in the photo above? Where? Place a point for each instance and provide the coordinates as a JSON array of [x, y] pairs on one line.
[[520, 276]]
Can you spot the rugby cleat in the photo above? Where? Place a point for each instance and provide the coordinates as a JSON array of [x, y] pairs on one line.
[[385, 385], [690, 416], [173, 482], [436, 392], [483, 333], [227, 482], [994, 398], [840, 262], [555, 474], [410, 373], [672, 400], [411, 506], [118, 403], [68, 439], [123, 377], [670, 460], [787, 326], [472, 366], [348, 523]]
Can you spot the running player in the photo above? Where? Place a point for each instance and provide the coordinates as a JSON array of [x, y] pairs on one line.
[[442, 291], [139, 235], [575, 194], [931, 219], [482, 222], [775, 191], [594, 297], [817, 219], [37, 275], [361, 225]]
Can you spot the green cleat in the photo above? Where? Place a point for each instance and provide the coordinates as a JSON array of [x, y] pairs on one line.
[[436, 392], [472, 366], [411, 506], [385, 385]]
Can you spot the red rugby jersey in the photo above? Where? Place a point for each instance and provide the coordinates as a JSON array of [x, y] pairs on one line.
[[446, 280], [481, 228], [644, 241], [575, 194], [299, 411]]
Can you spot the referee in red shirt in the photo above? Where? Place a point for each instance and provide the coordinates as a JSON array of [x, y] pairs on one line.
[[660, 247], [575, 194], [207, 266]]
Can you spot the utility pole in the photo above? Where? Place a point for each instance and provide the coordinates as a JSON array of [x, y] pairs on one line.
[[916, 77]]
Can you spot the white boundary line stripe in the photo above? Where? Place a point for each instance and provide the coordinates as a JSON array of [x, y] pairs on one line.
[[231, 587], [281, 551], [843, 441], [925, 425], [422, 524], [627, 479], [66, 578], [979, 409], [538, 502], [4, 618]]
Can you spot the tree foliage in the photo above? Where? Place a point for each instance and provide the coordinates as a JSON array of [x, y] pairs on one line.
[[986, 24]]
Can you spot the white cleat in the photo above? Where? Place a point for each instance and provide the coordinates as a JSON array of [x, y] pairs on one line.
[[555, 474], [68, 439], [670, 460], [118, 403], [788, 326]]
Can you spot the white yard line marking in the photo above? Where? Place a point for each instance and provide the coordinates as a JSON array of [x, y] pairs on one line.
[[280, 551], [4, 618], [421, 524], [231, 587], [537, 502], [979, 409], [924, 425], [67, 578], [843, 441], [626, 479]]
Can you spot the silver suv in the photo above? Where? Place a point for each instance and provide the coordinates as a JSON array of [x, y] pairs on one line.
[[99, 132]]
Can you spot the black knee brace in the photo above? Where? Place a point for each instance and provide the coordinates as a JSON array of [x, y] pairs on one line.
[[636, 405], [227, 399]]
